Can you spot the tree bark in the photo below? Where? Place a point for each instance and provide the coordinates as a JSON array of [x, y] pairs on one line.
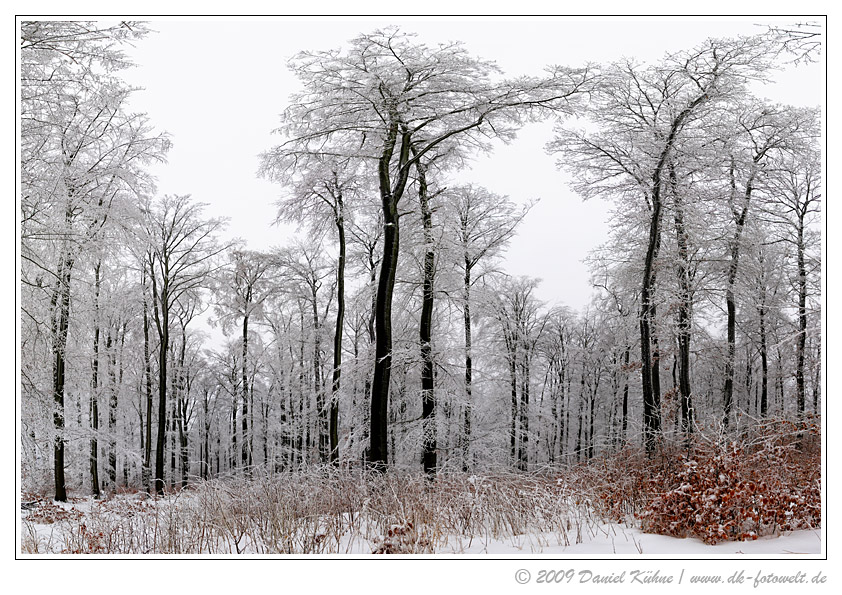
[[466, 424], [60, 306], [162, 320], [378, 452], [684, 315], [112, 409], [802, 318], [94, 409], [740, 217], [651, 392], [244, 380], [147, 373], [428, 398], [336, 380]]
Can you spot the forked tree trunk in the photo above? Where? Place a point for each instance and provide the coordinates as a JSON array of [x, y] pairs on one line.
[[378, 452]]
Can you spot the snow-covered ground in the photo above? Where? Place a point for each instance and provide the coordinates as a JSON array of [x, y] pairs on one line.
[[56, 528], [616, 539]]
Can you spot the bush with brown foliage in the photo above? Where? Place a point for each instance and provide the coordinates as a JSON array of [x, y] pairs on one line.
[[764, 483]]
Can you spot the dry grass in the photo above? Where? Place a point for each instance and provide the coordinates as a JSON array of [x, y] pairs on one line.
[[317, 512]]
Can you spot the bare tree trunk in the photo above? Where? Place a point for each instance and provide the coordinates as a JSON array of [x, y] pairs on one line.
[[466, 424], [245, 391], [378, 452], [651, 393], [740, 217], [802, 319], [112, 410], [684, 315], [428, 397], [523, 458], [60, 307], [337, 335], [147, 373], [321, 411], [94, 409], [162, 320]]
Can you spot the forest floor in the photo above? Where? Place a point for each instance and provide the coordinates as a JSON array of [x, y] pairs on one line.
[[313, 513]]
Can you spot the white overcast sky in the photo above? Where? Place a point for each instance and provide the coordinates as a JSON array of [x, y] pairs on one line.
[[218, 86]]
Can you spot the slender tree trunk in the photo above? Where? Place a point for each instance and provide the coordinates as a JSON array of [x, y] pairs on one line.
[[818, 380], [684, 315], [625, 424], [245, 385], [337, 335], [428, 397], [466, 424], [163, 318], [513, 379], [60, 307], [147, 373], [802, 320], [740, 218], [181, 407], [651, 392], [321, 410], [524, 413], [112, 410], [764, 349], [94, 410]]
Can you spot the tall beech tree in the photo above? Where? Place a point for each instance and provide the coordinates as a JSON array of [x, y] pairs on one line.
[[482, 224], [82, 154], [644, 115], [323, 188], [759, 131], [795, 193], [387, 95], [182, 254], [243, 286]]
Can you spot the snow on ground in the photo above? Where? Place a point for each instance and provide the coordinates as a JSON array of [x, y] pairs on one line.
[[604, 540], [620, 540]]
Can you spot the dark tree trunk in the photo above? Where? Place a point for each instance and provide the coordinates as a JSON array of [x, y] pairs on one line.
[[512, 356], [428, 398], [466, 424], [523, 457], [147, 373], [651, 392], [818, 380], [650, 382], [337, 335], [318, 386], [94, 410], [378, 452], [112, 410], [802, 320], [625, 424], [181, 409], [245, 391], [162, 315], [60, 307], [764, 349], [740, 217], [684, 315]]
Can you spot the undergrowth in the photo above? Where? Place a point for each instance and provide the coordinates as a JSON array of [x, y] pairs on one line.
[[761, 484]]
